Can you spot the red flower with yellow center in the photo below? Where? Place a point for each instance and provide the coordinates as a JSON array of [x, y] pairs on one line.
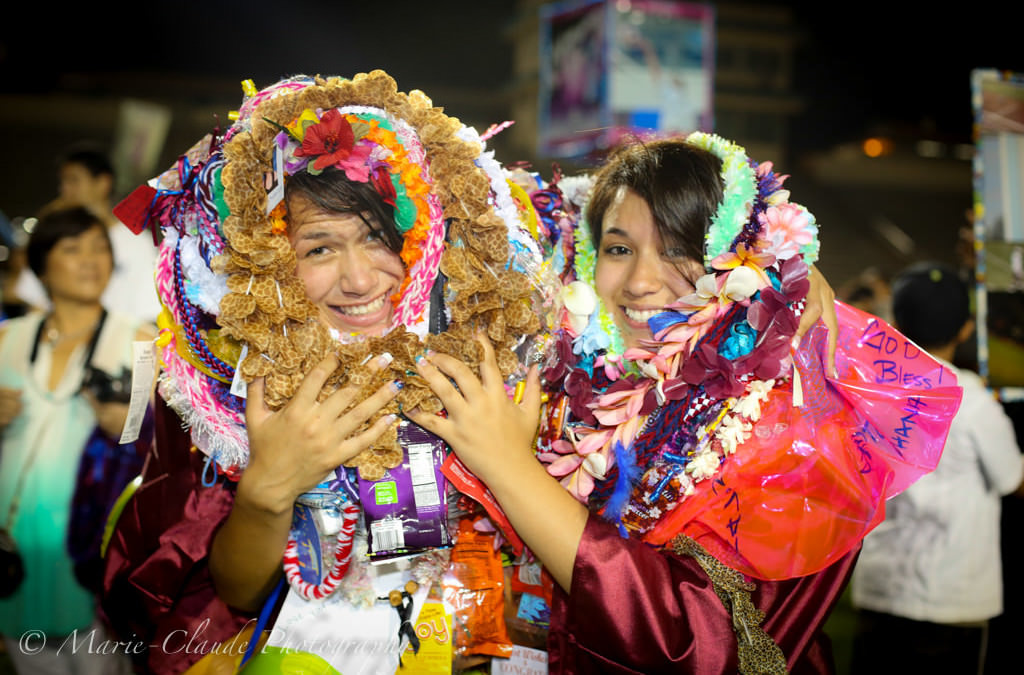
[[330, 141]]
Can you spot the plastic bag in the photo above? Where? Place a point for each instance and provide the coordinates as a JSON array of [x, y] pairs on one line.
[[811, 481], [475, 589]]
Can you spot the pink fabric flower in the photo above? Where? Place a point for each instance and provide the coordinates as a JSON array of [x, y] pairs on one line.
[[784, 230]]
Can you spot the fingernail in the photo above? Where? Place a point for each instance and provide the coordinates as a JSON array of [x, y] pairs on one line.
[[397, 385], [419, 359], [385, 359], [795, 342], [390, 418]]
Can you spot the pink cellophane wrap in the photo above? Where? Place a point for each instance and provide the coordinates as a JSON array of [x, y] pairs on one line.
[[812, 480]]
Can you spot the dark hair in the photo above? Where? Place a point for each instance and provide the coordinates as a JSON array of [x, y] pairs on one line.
[[90, 156], [332, 191], [930, 304], [860, 293], [681, 184], [53, 227]]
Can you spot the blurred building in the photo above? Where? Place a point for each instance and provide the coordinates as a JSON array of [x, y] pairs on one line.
[[753, 94], [881, 202]]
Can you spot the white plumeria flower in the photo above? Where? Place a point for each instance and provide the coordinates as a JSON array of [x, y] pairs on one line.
[[703, 465], [704, 292], [580, 300], [596, 465], [741, 283], [778, 197], [707, 286], [648, 369]]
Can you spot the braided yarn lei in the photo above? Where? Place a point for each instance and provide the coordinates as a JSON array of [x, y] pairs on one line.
[[651, 424]]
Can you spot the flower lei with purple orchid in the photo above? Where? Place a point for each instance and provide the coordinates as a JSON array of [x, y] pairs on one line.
[[715, 356]]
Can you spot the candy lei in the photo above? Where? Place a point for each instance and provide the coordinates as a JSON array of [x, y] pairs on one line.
[[185, 383], [226, 274], [339, 565], [483, 284]]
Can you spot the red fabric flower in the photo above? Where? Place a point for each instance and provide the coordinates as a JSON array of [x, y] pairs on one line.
[[330, 141], [560, 362], [381, 179], [580, 392], [706, 366]]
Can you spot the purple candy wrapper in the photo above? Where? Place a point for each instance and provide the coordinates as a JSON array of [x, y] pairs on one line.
[[406, 510]]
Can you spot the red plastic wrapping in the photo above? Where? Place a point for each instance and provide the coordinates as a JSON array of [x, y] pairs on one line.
[[812, 480]]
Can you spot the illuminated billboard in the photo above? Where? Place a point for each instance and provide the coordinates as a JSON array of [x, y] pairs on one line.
[[623, 67]]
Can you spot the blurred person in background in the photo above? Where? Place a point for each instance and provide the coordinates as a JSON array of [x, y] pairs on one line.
[[929, 578], [12, 260], [86, 178], [870, 292], [60, 443]]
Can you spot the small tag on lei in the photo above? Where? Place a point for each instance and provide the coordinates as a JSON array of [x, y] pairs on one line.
[[143, 373], [276, 194], [239, 387]]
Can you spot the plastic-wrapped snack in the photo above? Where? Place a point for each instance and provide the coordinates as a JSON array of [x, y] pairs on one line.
[[475, 588], [406, 509]]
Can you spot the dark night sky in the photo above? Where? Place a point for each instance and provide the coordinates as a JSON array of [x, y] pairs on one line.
[[864, 67], [859, 65]]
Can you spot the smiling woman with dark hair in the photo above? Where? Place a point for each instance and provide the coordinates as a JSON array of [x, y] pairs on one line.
[[693, 488], [48, 421], [336, 231]]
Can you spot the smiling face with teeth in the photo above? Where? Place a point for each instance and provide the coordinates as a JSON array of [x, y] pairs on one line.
[[637, 275], [349, 273]]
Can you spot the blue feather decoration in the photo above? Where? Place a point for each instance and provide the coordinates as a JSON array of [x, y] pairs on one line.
[[628, 475], [665, 320]]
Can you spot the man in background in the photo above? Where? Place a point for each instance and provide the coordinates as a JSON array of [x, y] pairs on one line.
[[929, 578], [86, 178]]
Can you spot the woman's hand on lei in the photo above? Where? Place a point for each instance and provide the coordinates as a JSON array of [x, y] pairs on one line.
[[482, 419], [293, 449], [820, 305]]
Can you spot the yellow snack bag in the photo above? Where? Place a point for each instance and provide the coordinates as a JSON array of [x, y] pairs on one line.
[[434, 629]]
